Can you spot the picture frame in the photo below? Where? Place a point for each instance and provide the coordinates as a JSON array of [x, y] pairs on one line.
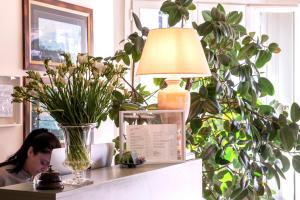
[[10, 113], [36, 117], [52, 27], [156, 135]]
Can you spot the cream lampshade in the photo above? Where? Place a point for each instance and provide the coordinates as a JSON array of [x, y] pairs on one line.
[[173, 53]]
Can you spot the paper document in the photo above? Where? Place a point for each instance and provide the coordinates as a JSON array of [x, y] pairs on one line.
[[6, 107], [156, 142]]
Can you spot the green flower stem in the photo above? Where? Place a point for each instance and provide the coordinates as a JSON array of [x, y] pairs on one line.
[[77, 149]]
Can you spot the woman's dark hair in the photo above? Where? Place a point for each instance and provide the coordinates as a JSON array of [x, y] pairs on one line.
[[41, 140]]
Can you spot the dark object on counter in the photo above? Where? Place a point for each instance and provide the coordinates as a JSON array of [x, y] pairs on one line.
[[131, 160], [49, 180]]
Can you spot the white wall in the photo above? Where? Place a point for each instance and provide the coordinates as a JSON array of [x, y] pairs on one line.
[[11, 57]]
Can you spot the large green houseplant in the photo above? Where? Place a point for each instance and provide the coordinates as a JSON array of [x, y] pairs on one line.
[[243, 142]]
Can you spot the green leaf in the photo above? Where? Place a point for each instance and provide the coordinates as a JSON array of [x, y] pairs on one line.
[[212, 106], [285, 163], [244, 51], [251, 34], [296, 163], [136, 56], [186, 3], [174, 17], [205, 28], [232, 17], [130, 106], [184, 13], [167, 6], [196, 105], [206, 15], [295, 129], [227, 125], [137, 21], [286, 135], [133, 36], [207, 153], [256, 132], [223, 187], [282, 120], [219, 158], [195, 124], [224, 59], [221, 8], [263, 58], [266, 87], [139, 44], [274, 48], [243, 88], [158, 81], [246, 40], [128, 47], [126, 59], [239, 19], [244, 158], [266, 150], [295, 112], [217, 189], [239, 194], [205, 131], [152, 107], [264, 38], [240, 29], [192, 7], [273, 172], [217, 15], [266, 109], [229, 154], [117, 96], [279, 171]]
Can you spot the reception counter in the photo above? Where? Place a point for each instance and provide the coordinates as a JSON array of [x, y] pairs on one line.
[[181, 181]]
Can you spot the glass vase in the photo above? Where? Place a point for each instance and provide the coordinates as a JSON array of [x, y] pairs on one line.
[[78, 141]]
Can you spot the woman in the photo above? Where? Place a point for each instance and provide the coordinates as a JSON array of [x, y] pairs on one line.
[[32, 158]]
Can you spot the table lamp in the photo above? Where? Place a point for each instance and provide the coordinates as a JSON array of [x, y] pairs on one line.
[[173, 53]]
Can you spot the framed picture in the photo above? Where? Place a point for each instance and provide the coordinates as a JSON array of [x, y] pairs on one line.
[[52, 27], [156, 135], [10, 113], [36, 117]]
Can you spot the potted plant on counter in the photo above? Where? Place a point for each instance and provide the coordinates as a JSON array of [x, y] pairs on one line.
[[78, 96]]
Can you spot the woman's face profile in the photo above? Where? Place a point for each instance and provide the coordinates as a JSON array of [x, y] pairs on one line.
[[36, 163]]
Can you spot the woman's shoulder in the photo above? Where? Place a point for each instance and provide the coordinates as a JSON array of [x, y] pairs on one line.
[[4, 174], [4, 169], [8, 178]]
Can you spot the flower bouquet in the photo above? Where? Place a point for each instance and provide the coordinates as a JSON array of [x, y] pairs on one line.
[[78, 96]]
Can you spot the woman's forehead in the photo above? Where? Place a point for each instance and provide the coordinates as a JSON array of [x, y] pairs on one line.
[[43, 155]]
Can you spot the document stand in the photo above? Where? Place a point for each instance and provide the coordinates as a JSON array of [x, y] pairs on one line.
[[156, 135]]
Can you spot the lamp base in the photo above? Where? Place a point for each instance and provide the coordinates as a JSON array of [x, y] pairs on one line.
[[173, 97]]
